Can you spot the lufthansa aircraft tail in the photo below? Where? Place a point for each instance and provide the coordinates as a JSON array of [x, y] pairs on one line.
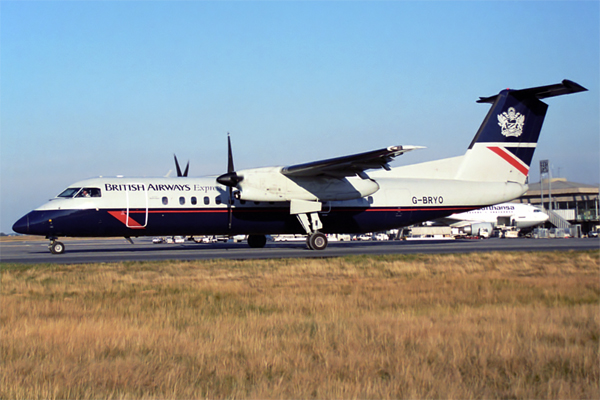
[[504, 144]]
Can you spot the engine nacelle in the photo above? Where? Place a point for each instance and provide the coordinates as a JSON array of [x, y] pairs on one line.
[[268, 184]]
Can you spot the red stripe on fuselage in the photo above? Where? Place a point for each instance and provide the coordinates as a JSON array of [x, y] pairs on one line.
[[510, 159], [129, 222]]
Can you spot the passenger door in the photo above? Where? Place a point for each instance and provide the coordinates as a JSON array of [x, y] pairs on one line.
[[136, 198]]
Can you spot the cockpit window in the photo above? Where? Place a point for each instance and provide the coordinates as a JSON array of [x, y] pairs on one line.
[[80, 192], [89, 192], [68, 193]]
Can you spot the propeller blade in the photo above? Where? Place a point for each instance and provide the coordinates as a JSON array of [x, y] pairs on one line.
[[177, 165], [229, 211], [230, 167], [187, 167], [231, 178]]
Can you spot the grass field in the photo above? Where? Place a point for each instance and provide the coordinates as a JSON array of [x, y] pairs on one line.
[[489, 325]]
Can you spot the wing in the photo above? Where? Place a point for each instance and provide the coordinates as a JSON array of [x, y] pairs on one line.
[[351, 165]]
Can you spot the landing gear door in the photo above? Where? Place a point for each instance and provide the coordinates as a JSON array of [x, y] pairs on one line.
[[136, 197]]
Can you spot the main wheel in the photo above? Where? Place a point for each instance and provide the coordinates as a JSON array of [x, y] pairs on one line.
[[317, 241], [57, 248], [257, 241]]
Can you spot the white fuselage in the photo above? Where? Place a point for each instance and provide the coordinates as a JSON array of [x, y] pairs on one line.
[[505, 214], [195, 206]]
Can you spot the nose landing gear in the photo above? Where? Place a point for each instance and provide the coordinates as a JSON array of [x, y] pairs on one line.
[[56, 247]]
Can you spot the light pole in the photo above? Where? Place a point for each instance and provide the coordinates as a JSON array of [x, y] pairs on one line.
[[543, 170]]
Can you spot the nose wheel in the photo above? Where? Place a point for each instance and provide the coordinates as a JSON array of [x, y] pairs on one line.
[[56, 247]]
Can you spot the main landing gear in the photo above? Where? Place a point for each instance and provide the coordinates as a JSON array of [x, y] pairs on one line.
[[257, 241], [307, 213], [56, 247], [316, 241]]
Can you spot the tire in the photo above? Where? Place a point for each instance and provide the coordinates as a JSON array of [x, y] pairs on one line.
[[257, 241], [57, 248], [317, 241]]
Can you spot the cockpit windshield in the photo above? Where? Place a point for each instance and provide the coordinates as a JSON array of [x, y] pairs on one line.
[[80, 192], [68, 193]]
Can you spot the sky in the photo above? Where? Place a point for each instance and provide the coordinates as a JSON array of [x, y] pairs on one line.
[[117, 87]]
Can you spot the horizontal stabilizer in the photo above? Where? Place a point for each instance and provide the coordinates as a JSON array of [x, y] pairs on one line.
[[541, 92]]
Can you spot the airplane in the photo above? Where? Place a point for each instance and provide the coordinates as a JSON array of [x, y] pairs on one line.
[[350, 194], [520, 216]]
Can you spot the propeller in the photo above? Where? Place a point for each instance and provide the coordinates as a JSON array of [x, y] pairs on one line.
[[187, 167], [230, 179]]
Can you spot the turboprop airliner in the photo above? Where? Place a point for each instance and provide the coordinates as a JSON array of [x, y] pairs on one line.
[[351, 194]]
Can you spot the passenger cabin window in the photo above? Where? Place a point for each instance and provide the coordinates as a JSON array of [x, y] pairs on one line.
[[165, 200], [89, 192], [182, 200], [206, 200], [218, 200], [194, 201]]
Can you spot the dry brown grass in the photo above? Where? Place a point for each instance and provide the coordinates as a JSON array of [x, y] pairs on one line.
[[442, 326]]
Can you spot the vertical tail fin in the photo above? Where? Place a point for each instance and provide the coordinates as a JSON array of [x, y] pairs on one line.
[[504, 144]]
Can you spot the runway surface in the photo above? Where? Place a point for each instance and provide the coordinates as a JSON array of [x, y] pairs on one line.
[[115, 250]]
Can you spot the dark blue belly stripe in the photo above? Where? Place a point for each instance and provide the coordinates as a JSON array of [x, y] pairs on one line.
[[215, 221]]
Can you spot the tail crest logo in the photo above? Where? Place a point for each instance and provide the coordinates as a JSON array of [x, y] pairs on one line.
[[511, 123]]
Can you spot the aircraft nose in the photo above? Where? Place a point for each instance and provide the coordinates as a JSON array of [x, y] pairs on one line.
[[545, 217], [22, 225], [34, 223]]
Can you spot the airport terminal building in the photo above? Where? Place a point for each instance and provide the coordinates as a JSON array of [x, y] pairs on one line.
[[575, 203]]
